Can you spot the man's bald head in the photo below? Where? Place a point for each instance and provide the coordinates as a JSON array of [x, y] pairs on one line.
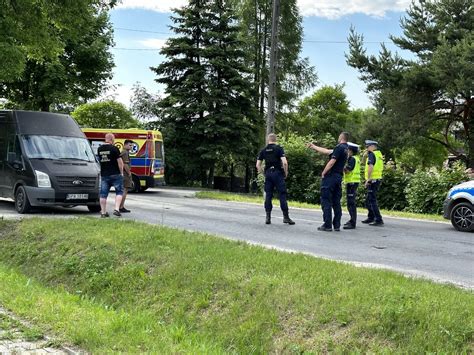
[[109, 138], [272, 138]]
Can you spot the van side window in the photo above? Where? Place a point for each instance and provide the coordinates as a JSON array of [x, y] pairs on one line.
[[3, 145], [10, 140], [18, 149], [7, 141]]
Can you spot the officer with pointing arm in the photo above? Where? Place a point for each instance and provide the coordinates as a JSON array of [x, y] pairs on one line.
[[331, 184]]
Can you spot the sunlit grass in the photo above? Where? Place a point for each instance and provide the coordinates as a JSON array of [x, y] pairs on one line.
[[110, 285]]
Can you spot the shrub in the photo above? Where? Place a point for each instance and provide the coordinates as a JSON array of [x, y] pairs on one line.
[[427, 190], [392, 191]]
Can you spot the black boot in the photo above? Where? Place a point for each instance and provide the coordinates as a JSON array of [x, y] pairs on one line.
[[287, 219], [268, 220]]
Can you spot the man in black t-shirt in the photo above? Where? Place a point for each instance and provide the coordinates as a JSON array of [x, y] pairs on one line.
[[276, 170], [331, 184], [111, 172]]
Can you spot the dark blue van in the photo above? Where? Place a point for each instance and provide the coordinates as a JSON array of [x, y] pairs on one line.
[[45, 160]]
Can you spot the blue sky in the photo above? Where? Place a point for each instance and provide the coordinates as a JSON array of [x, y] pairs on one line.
[[326, 20]]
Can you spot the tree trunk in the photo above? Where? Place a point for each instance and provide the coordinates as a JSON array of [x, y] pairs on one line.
[[257, 54], [210, 178], [203, 177], [247, 178], [263, 65], [232, 177]]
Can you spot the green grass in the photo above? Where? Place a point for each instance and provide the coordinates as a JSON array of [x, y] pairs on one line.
[[249, 198], [110, 285], [11, 329]]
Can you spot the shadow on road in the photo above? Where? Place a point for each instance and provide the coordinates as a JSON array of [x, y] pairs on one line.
[[9, 207]]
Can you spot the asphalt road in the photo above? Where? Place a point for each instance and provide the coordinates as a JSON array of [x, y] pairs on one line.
[[432, 250]]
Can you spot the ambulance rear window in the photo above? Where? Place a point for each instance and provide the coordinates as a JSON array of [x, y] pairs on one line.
[[158, 150]]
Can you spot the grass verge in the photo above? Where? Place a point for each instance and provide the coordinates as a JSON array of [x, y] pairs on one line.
[[110, 285], [249, 198]]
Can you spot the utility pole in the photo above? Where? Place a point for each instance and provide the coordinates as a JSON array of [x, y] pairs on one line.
[[272, 83]]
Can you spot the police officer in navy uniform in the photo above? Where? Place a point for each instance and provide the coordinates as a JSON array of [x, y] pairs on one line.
[[276, 170], [331, 184], [352, 181], [373, 179]]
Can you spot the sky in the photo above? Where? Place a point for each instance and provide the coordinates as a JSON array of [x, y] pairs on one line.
[[141, 29]]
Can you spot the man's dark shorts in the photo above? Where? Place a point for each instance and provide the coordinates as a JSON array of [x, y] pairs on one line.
[[108, 181]]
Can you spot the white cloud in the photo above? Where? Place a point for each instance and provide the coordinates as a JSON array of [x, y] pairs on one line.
[[118, 92], [155, 43], [332, 9], [155, 5]]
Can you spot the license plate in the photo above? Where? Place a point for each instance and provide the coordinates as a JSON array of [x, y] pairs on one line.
[[77, 196]]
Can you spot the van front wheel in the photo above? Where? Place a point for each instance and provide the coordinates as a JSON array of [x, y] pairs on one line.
[[22, 204]]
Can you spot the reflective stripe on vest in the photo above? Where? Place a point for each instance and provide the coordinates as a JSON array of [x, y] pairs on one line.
[[378, 167], [352, 177]]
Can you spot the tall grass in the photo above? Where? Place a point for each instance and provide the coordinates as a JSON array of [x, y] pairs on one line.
[[125, 286]]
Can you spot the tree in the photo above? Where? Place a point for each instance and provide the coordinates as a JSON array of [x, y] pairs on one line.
[[146, 106], [105, 114], [208, 99], [295, 75], [431, 96], [30, 29], [78, 66], [326, 111]]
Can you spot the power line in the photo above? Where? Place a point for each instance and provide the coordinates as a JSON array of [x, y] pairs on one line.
[[304, 40], [135, 49], [143, 31]]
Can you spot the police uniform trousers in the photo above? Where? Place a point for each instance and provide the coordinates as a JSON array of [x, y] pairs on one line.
[[351, 195], [274, 178], [331, 193], [371, 201]]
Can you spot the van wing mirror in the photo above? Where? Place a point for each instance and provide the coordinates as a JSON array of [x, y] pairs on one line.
[[14, 161]]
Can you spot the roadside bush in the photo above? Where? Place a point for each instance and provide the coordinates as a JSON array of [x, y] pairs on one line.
[[392, 191], [427, 190]]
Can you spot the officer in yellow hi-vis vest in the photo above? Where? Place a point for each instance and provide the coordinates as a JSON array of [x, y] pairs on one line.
[[373, 179], [352, 181]]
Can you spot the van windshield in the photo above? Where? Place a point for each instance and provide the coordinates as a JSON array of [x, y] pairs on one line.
[[56, 148]]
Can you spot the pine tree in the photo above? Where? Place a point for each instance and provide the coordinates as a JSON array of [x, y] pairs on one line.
[[207, 112], [431, 95]]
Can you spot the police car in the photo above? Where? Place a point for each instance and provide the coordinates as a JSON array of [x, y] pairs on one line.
[[459, 206]]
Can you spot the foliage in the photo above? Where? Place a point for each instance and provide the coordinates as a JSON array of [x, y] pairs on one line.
[[427, 190], [105, 114], [392, 191], [433, 94], [146, 106], [305, 168], [33, 30], [208, 94], [326, 111], [78, 65], [132, 287]]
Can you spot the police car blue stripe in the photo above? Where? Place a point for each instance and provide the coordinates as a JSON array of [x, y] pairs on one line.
[[470, 191]]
